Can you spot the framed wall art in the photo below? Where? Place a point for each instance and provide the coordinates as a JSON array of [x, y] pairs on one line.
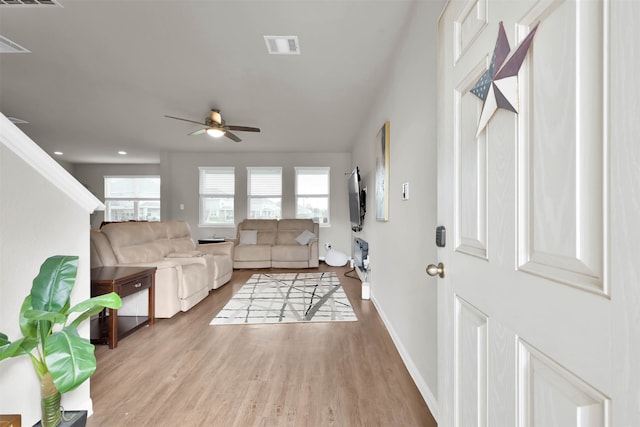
[[382, 173]]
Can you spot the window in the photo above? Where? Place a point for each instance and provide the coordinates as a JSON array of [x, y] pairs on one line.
[[217, 191], [264, 190], [128, 198], [312, 193]]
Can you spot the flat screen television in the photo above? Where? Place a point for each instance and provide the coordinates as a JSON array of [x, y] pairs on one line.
[[357, 202]]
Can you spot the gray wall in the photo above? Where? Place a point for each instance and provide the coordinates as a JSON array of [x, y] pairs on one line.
[[401, 248]]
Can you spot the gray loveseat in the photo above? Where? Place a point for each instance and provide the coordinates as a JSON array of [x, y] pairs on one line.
[[271, 243]]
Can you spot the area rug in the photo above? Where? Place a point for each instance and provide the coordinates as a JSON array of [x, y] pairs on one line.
[[287, 298]]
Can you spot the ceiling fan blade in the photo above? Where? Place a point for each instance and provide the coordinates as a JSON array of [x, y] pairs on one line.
[[242, 128], [198, 132], [187, 120], [232, 136]]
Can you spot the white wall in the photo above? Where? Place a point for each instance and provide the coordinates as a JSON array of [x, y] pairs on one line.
[[180, 186], [37, 220], [401, 248], [179, 176], [92, 177]]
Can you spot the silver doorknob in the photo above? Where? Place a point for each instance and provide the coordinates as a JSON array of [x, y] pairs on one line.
[[436, 270]]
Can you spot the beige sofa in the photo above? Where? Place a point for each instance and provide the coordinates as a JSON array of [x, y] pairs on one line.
[[270, 243], [185, 273]]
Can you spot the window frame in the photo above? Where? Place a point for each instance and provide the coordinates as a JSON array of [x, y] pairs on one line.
[[136, 200], [203, 196], [326, 196], [250, 196]]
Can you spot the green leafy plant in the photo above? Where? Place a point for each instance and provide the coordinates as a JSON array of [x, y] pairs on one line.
[[62, 359]]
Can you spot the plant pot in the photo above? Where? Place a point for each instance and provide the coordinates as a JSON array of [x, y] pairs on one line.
[[52, 416], [70, 419]]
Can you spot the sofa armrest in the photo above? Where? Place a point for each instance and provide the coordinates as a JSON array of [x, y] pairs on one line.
[[224, 248], [314, 259], [159, 264]]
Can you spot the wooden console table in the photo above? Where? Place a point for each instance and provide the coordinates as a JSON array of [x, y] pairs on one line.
[[106, 329]]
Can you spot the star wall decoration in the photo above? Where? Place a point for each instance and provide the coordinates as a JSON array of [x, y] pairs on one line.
[[498, 86]]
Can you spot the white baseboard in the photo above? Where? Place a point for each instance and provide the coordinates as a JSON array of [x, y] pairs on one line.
[[425, 391]]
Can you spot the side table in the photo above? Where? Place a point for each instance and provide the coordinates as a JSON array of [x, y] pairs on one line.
[[211, 240], [106, 329]]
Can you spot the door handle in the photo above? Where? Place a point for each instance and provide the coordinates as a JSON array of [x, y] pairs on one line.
[[436, 270]]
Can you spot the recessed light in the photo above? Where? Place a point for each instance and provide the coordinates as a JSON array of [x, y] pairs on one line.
[[122, 153], [58, 153], [282, 45]]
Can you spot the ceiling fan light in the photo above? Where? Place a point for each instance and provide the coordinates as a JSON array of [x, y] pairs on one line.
[[215, 132], [216, 117]]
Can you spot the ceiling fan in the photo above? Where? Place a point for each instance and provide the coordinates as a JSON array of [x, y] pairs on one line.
[[216, 127]]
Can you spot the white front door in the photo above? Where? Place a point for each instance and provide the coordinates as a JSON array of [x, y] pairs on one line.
[[539, 309]]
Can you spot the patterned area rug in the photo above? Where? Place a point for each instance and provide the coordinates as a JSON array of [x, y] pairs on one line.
[[286, 298]]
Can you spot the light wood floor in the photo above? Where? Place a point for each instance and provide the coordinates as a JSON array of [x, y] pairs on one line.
[[184, 372]]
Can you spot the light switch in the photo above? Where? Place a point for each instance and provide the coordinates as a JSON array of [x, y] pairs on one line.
[[181, 206], [405, 191]]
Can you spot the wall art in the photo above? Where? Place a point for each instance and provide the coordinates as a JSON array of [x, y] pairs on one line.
[[382, 173], [498, 86]]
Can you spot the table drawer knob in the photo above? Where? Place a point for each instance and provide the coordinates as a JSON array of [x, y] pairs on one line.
[[137, 285]]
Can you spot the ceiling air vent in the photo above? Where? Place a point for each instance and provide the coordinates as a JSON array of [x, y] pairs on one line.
[[16, 121], [29, 3], [282, 45], [7, 46]]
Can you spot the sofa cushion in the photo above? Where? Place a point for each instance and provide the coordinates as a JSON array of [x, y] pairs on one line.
[[248, 237], [290, 253], [266, 228], [305, 237], [290, 229], [252, 253], [133, 242], [266, 237], [287, 237], [179, 233], [159, 230]]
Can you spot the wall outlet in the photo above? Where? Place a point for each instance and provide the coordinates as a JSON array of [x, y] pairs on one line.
[[366, 290]]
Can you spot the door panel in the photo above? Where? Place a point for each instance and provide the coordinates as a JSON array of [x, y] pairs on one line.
[[562, 148], [470, 157], [549, 394], [471, 365], [468, 25], [525, 312]]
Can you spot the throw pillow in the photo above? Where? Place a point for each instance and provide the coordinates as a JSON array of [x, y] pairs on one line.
[[305, 237], [248, 237]]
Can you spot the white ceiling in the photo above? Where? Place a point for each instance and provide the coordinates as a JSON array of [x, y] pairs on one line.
[[102, 74]]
